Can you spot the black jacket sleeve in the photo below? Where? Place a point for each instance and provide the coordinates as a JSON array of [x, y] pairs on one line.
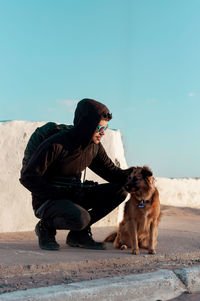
[[32, 176], [103, 166]]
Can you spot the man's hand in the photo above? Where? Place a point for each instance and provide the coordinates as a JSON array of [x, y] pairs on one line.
[[128, 172]]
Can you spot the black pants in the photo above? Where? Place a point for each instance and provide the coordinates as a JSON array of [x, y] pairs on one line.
[[77, 215]]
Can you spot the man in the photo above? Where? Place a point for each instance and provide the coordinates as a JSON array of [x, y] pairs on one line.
[[53, 175]]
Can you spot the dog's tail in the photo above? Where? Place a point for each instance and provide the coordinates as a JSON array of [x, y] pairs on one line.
[[111, 237]]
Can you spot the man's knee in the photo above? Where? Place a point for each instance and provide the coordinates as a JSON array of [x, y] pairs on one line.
[[81, 221], [123, 194], [77, 222], [119, 192]]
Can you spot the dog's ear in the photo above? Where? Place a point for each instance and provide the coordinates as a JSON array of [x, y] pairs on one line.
[[146, 172]]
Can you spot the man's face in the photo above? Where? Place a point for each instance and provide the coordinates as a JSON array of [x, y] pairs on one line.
[[96, 138]]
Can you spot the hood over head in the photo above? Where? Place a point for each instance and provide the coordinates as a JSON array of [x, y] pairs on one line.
[[87, 116]]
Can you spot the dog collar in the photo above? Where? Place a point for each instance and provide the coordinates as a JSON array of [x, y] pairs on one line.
[[142, 203]]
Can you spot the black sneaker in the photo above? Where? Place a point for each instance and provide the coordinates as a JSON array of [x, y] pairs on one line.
[[46, 237], [83, 239]]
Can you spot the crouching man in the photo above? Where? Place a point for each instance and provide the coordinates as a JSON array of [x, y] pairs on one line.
[[53, 175]]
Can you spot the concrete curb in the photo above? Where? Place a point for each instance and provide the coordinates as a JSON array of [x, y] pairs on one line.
[[161, 285], [190, 277]]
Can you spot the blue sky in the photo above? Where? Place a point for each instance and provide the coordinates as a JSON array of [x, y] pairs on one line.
[[140, 58]]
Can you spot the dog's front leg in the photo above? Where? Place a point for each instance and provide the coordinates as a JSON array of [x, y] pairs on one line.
[[116, 242], [152, 237], [134, 237]]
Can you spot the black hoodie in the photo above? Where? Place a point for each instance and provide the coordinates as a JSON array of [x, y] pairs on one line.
[[68, 153]]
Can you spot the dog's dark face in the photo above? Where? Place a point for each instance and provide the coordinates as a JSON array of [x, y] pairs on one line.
[[140, 181]]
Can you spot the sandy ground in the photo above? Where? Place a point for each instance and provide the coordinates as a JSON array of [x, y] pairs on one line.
[[23, 265]]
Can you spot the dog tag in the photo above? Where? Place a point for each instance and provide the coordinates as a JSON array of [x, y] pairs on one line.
[[141, 206]]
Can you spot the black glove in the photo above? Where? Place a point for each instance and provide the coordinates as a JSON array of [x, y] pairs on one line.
[[72, 189], [76, 191], [89, 184]]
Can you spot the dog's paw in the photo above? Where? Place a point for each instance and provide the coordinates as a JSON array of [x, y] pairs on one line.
[[136, 251], [124, 247], [152, 251]]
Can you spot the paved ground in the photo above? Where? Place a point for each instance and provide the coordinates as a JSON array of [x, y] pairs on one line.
[[188, 297], [23, 265]]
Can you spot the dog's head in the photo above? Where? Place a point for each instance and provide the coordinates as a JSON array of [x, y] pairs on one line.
[[141, 181]]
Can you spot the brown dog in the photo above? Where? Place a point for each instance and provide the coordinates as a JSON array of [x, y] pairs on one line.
[[139, 227]]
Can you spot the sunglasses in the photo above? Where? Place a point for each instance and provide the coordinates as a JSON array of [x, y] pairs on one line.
[[101, 128]]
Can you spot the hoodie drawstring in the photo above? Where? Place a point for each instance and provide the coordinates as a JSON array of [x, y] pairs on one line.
[[84, 175]]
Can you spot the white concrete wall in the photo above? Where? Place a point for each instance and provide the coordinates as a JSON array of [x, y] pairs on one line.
[[179, 192], [16, 212], [15, 201]]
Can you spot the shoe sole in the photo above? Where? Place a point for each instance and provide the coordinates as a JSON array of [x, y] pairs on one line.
[[49, 249], [73, 245]]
